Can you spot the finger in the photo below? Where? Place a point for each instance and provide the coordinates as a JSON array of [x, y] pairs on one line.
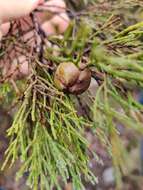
[[55, 6], [19, 68], [11, 9], [57, 25], [50, 8], [48, 28], [5, 28]]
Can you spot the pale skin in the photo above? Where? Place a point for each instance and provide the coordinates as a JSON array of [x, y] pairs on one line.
[[16, 9]]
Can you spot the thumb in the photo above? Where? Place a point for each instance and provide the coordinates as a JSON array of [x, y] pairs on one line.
[[10, 9]]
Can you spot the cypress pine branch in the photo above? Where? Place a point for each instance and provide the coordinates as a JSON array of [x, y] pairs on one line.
[[47, 133]]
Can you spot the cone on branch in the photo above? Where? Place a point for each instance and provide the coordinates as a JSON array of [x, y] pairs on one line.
[[68, 77], [48, 133]]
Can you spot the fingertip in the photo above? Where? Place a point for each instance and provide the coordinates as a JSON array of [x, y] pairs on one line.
[[51, 7], [60, 22], [57, 25], [48, 28], [5, 28]]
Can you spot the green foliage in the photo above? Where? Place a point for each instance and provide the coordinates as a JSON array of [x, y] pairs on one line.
[[47, 133]]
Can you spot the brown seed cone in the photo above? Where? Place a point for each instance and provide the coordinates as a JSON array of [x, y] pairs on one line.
[[70, 78], [66, 75], [83, 82]]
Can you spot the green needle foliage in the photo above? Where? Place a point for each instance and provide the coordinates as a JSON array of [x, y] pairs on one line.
[[48, 134]]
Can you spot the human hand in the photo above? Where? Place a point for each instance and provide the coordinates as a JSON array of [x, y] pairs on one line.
[[15, 9]]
